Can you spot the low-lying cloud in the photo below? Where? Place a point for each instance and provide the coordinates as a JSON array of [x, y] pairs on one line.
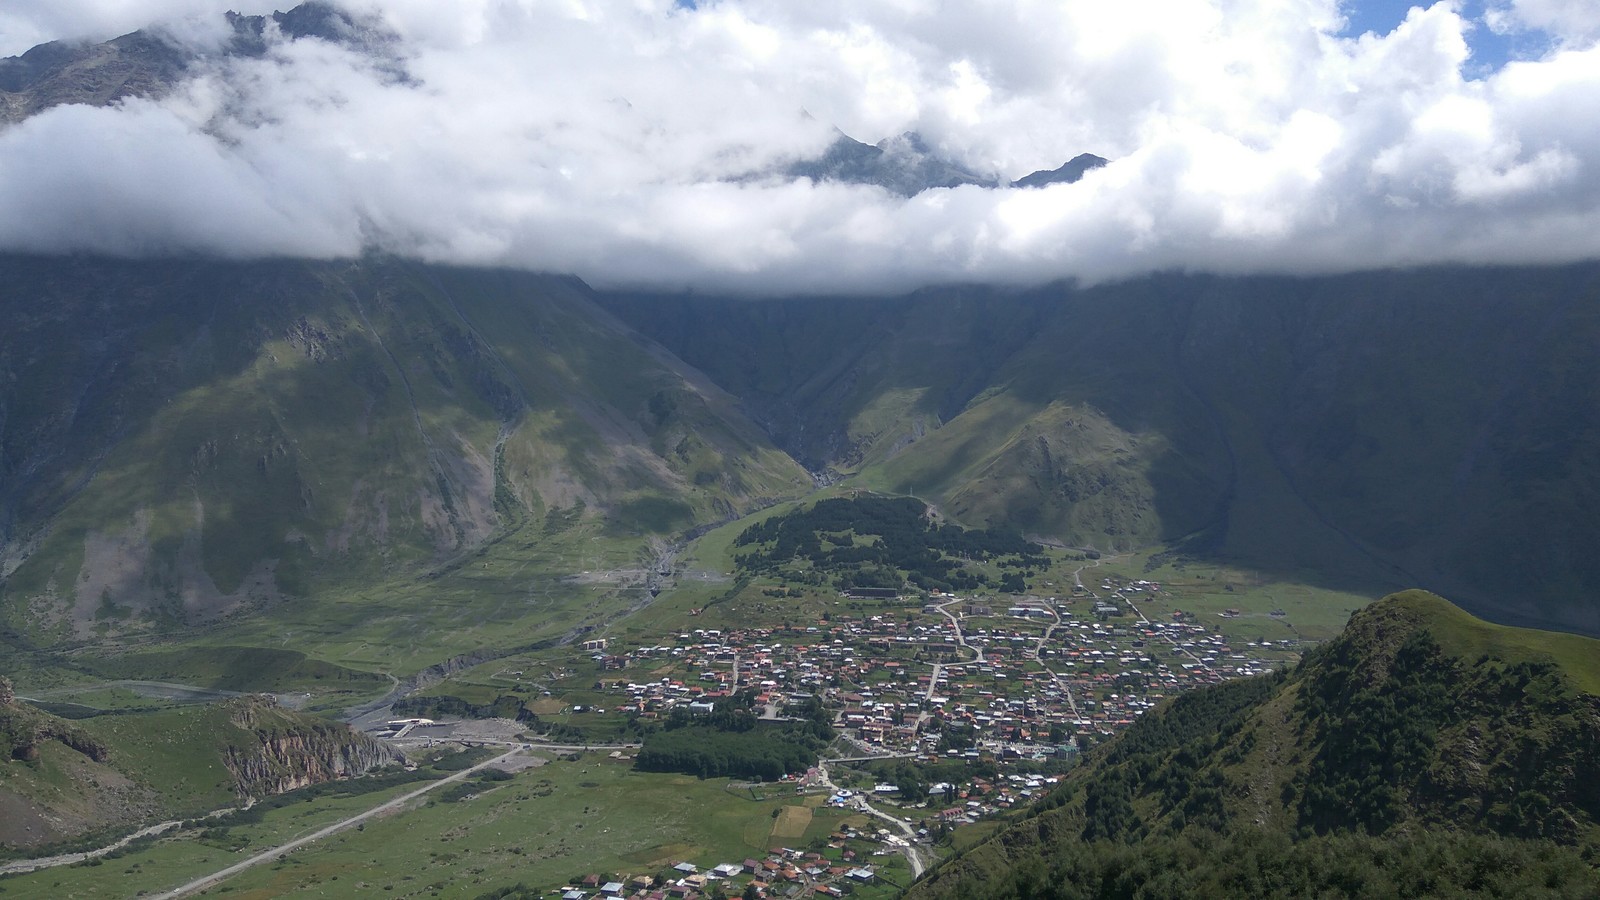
[[618, 141]]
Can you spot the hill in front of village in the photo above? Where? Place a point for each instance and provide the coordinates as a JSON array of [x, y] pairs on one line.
[[1423, 752]]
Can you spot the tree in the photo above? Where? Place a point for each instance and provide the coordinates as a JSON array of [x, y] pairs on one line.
[[750, 892]]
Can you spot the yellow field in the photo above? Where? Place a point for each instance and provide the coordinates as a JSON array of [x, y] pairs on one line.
[[791, 823]]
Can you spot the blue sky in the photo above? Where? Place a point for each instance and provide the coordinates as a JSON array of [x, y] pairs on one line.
[[1490, 51]]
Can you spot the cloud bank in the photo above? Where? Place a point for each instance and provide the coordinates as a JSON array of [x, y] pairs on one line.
[[616, 141]]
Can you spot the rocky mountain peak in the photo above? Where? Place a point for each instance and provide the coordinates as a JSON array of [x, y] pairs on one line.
[[1068, 172]]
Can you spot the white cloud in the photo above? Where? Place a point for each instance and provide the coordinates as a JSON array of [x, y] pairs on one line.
[[609, 140], [25, 23], [1567, 20]]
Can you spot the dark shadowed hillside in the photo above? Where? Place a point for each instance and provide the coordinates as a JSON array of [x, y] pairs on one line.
[[1426, 427]]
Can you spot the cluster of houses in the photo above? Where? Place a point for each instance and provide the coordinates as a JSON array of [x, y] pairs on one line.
[[886, 676], [779, 872]]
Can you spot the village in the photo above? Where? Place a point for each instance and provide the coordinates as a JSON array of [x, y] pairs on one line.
[[994, 701], [1030, 681]]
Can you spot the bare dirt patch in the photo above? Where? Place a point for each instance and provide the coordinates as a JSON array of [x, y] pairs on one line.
[[519, 763]]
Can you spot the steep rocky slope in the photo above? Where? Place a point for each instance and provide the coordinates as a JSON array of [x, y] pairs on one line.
[[183, 441]]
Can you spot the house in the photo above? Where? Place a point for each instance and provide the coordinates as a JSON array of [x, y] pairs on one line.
[[612, 889]]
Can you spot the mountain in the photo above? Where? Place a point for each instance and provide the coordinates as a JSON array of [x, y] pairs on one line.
[[1375, 430], [903, 165], [134, 65], [150, 63], [1421, 745], [191, 441], [1068, 172], [184, 441]]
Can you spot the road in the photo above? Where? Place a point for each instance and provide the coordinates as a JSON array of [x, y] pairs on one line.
[[961, 640], [1076, 576], [215, 878], [913, 855], [17, 867], [933, 688], [1060, 680]]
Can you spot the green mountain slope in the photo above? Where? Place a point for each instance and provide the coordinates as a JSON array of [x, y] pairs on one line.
[[1435, 427], [180, 442], [1421, 743]]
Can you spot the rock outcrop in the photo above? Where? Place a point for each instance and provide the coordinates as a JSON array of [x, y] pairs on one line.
[[280, 751]]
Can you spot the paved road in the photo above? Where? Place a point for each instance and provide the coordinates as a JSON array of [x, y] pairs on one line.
[[1060, 679], [200, 884], [961, 640], [907, 754], [913, 856]]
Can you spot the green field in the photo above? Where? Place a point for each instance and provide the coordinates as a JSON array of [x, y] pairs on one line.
[[544, 826], [151, 867]]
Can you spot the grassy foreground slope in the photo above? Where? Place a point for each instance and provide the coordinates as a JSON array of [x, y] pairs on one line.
[[1422, 750]]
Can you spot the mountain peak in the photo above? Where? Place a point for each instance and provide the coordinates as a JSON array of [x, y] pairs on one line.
[[1068, 172], [909, 143], [904, 165], [312, 19], [147, 63]]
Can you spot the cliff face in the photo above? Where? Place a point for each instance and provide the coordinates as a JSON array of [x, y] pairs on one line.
[[23, 730], [63, 781], [278, 751]]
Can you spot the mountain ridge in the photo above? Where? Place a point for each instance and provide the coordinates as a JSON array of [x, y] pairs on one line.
[[1069, 172], [148, 63], [1242, 419]]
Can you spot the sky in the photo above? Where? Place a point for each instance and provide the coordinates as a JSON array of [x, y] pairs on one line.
[[631, 142]]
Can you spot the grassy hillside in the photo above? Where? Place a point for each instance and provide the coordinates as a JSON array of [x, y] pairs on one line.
[[64, 782], [187, 443], [1420, 744]]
